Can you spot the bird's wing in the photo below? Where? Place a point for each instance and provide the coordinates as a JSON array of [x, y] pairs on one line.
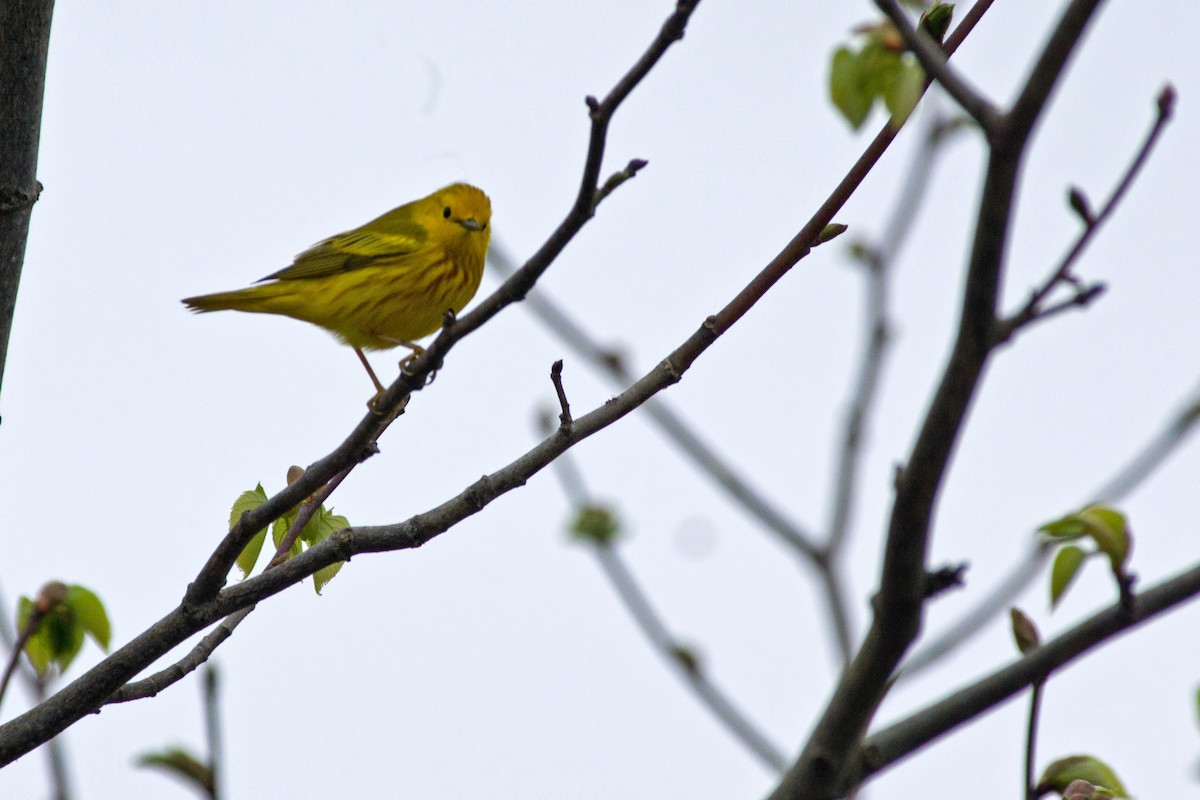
[[377, 241]]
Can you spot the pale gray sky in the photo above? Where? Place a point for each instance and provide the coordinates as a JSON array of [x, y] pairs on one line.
[[190, 148]]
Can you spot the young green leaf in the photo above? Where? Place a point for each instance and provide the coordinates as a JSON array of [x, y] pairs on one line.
[[1066, 567], [846, 88], [829, 233], [596, 524], [36, 649], [1110, 530], [320, 527], [89, 613], [1080, 768], [62, 615], [903, 89], [57, 640], [183, 765], [936, 19], [250, 553], [248, 501], [279, 530], [1066, 528]]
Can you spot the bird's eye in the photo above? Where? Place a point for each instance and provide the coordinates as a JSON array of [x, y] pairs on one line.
[[446, 212]]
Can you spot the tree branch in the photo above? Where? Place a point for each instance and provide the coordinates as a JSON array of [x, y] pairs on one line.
[[24, 44], [361, 442], [903, 738], [821, 770], [205, 601], [878, 260], [1155, 452], [151, 686]]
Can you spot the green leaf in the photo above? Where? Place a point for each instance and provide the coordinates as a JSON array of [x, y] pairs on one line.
[[904, 86], [248, 501], [596, 524], [847, 88], [936, 19], [67, 614], [320, 527], [1080, 768], [61, 636], [249, 555], [279, 530], [1109, 529], [36, 650], [182, 764], [1068, 527], [89, 613], [877, 66], [1066, 567]]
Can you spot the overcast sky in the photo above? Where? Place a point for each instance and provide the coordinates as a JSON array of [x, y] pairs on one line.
[[190, 148]]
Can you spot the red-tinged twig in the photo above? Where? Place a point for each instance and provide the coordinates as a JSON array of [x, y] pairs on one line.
[[304, 514], [1035, 308], [564, 417]]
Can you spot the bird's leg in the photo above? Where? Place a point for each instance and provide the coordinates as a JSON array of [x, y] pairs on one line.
[[417, 351], [374, 380]]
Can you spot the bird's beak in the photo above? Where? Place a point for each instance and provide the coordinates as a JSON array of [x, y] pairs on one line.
[[470, 224]]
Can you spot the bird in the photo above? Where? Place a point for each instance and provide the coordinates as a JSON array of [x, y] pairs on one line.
[[384, 284]]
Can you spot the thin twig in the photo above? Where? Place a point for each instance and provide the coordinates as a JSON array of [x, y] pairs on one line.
[[661, 641], [564, 417], [1128, 478], [878, 261], [702, 454], [49, 597], [307, 509], [212, 728], [1153, 455], [1035, 709], [820, 771], [149, 687], [1033, 308], [56, 755], [204, 649], [688, 668]]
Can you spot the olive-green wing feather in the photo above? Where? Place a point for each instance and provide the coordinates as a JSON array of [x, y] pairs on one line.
[[393, 235]]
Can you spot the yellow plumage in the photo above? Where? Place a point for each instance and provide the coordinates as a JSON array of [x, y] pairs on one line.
[[386, 283]]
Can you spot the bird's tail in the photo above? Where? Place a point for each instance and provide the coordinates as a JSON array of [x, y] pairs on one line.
[[256, 298]]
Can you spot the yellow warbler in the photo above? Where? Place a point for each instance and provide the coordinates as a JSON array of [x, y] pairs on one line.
[[384, 284]]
